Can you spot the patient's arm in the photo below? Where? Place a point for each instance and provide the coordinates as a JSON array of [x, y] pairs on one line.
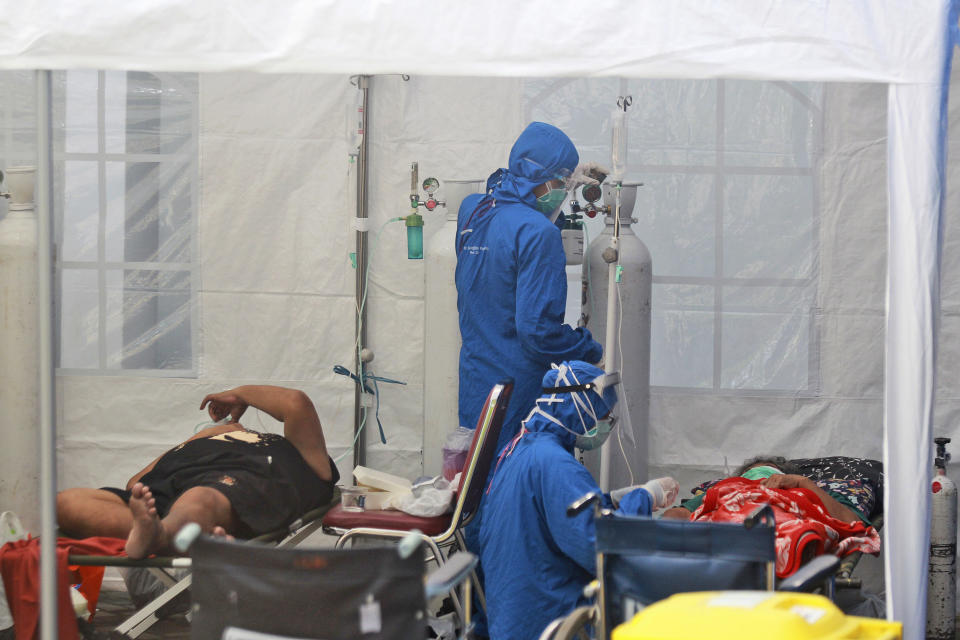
[[790, 481], [301, 425]]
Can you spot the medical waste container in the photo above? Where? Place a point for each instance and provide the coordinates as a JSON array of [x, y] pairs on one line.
[[749, 615]]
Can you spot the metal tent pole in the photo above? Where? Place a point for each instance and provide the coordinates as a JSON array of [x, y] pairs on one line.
[[48, 427], [359, 411]]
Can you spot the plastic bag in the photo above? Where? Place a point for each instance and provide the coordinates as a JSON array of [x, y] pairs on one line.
[[455, 451], [10, 530], [433, 497]]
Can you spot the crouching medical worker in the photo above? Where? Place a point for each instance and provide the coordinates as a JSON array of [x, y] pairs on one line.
[[536, 560], [511, 276]]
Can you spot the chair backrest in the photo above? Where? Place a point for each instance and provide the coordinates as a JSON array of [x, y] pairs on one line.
[[482, 451], [342, 594], [643, 560]]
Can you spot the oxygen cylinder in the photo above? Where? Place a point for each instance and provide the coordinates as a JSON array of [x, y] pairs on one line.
[[633, 284], [942, 577], [19, 352], [441, 326]]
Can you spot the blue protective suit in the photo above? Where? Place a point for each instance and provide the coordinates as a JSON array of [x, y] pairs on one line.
[[512, 284], [536, 561]]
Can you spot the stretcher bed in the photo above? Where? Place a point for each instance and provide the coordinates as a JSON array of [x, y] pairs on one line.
[[167, 569]]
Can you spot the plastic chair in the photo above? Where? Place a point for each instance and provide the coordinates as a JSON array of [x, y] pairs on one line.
[[445, 530]]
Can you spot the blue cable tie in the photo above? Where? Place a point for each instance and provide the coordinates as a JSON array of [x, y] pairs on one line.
[[375, 391]]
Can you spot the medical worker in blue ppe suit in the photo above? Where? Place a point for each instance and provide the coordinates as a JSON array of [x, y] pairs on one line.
[[511, 277], [535, 559]]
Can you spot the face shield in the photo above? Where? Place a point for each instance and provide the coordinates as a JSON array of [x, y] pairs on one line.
[[600, 425]]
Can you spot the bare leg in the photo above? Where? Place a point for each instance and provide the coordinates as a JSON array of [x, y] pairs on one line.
[[82, 513], [207, 507], [146, 535]]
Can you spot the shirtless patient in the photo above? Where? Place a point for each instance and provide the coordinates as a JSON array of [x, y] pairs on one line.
[[226, 478]]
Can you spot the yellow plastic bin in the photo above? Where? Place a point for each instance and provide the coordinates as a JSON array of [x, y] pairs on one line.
[[751, 615]]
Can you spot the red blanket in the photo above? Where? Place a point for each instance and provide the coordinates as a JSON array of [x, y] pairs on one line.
[[20, 565], [803, 523]]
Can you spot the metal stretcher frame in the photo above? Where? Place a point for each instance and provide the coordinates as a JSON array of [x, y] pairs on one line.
[[146, 616]]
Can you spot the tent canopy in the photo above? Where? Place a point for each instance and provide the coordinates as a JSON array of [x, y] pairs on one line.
[[886, 41]]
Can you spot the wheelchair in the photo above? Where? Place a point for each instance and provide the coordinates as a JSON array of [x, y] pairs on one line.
[[642, 560]]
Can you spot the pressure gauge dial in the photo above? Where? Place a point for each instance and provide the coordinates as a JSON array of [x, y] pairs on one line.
[[430, 185], [592, 192]]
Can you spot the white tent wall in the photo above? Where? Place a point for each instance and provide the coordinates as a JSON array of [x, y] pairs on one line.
[[897, 42]]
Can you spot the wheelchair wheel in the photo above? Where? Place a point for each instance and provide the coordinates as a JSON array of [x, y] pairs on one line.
[[576, 626]]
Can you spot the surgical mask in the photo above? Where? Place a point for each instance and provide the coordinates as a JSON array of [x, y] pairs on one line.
[[550, 203], [594, 438], [761, 472]]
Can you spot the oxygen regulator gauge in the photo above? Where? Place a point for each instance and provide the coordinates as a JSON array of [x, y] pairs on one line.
[[430, 185], [592, 192]]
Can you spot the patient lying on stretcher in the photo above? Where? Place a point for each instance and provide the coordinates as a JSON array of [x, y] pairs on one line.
[[228, 479], [810, 520]]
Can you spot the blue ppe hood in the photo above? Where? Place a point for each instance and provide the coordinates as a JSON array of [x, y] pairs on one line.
[[541, 153], [566, 411]]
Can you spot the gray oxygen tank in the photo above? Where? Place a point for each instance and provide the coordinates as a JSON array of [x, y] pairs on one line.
[[626, 449], [19, 352]]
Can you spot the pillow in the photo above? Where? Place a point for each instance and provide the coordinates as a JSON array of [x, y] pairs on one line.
[[867, 471]]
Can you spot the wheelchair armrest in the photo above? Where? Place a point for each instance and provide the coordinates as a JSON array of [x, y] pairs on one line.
[[454, 571], [811, 574], [761, 515], [577, 507]]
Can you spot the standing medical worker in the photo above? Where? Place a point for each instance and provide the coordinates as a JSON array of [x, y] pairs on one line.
[[511, 277], [536, 560]]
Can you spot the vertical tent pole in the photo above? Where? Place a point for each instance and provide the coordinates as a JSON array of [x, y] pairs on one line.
[[359, 411], [48, 427], [916, 188]]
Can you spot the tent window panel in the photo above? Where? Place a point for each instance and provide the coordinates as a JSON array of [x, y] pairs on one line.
[[729, 203], [148, 212], [148, 319], [765, 351], [127, 219], [80, 130], [767, 226], [149, 112], [682, 328], [81, 210], [671, 123], [675, 218], [80, 324], [771, 124]]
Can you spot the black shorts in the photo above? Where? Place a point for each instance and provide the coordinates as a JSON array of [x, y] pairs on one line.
[[268, 483]]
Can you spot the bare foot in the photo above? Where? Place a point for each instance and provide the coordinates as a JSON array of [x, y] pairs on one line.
[[147, 535]]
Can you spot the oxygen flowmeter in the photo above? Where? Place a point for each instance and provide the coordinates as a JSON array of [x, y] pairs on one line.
[[414, 221]]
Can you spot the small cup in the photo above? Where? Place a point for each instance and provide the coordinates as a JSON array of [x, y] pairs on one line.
[[352, 498]]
